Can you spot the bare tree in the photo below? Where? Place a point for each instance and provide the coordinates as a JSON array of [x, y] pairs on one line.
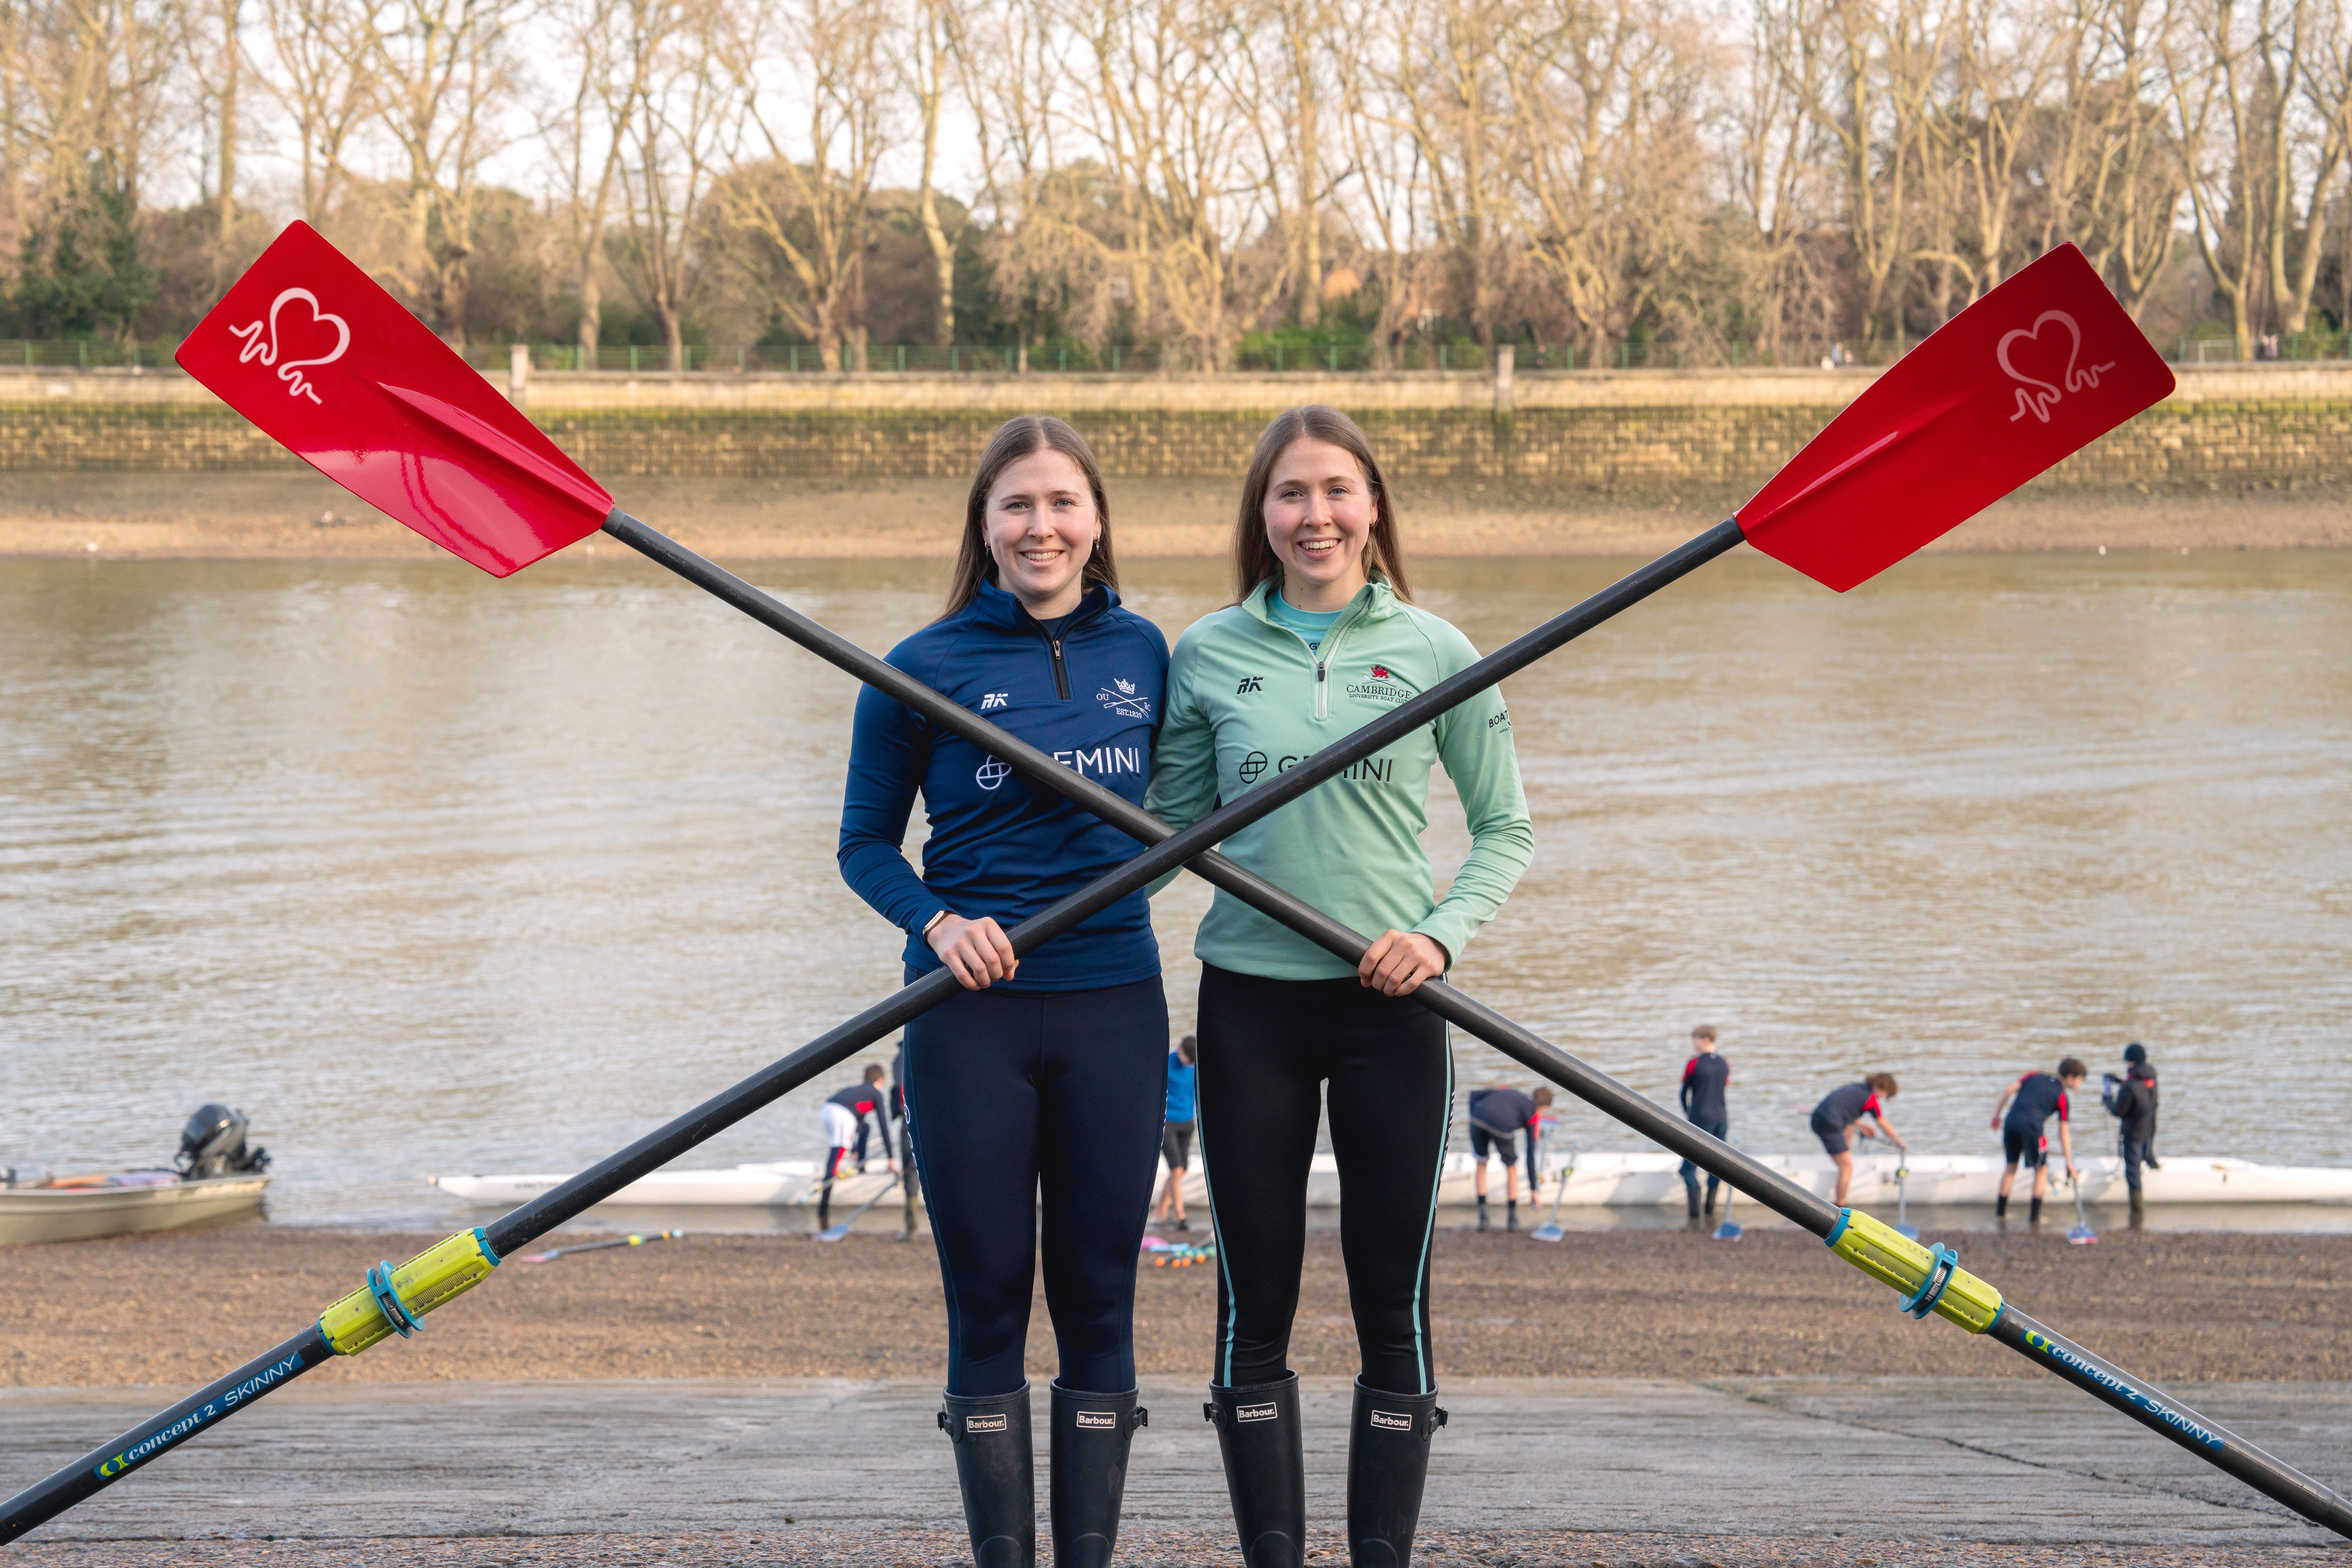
[[322, 75], [1607, 157], [442, 70], [86, 105], [611, 51], [1445, 89], [1884, 56], [937, 46], [2108, 176], [2004, 54], [2258, 178], [678, 137], [1779, 179], [807, 206], [1390, 193]]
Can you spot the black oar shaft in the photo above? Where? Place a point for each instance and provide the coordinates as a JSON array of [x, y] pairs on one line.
[[101, 1468], [2162, 1413]]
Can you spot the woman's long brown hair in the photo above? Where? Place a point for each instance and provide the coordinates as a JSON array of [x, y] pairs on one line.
[[1253, 559], [1021, 437]]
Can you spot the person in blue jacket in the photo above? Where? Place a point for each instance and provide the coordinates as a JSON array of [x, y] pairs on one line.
[[1044, 1079]]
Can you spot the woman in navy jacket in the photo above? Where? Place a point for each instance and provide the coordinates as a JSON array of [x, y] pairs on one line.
[[1046, 1074]]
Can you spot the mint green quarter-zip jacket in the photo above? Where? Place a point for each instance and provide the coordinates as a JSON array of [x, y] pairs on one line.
[[1248, 700]]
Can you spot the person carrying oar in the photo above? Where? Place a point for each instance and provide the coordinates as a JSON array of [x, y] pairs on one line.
[[1325, 639], [1044, 1074]]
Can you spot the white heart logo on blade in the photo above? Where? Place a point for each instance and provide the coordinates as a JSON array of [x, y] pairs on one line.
[[2036, 395], [291, 372]]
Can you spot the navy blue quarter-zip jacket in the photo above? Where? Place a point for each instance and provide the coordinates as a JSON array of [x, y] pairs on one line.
[[997, 846]]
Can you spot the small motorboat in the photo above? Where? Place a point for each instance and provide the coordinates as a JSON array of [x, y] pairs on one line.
[[214, 1176]]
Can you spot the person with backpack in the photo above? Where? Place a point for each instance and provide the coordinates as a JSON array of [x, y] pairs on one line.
[[1035, 1093], [2133, 1100], [1704, 1079], [2032, 1101], [1325, 638]]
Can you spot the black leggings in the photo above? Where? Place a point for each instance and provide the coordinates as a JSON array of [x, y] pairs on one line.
[[1010, 1094], [1267, 1049]]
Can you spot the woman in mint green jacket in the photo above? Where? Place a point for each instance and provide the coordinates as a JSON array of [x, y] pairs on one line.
[[1325, 638]]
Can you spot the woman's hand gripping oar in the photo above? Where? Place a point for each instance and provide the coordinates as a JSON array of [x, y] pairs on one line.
[[534, 500]]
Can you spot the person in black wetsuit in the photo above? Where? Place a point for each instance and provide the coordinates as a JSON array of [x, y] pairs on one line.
[[1841, 1113], [1705, 1077], [2032, 1101], [1497, 1117], [2133, 1099]]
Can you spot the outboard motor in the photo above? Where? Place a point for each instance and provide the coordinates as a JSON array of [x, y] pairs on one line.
[[213, 1144]]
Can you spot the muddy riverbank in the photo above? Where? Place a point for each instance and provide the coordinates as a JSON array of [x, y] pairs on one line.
[[181, 1309], [288, 516]]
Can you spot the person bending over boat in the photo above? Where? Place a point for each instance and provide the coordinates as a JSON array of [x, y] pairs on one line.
[[847, 1128], [1045, 1074], [1323, 640], [1497, 1116], [2032, 1101], [1839, 1117]]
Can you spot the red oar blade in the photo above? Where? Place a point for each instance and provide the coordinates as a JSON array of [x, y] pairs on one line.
[[312, 351], [2036, 370]]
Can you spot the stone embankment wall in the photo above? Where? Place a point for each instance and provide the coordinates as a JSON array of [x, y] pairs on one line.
[[1604, 433]]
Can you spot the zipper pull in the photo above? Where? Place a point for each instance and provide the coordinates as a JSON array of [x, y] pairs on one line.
[[1318, 671]]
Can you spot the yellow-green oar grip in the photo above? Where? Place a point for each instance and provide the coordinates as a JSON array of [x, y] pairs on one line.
[[444, 1270], [1889, 1257]]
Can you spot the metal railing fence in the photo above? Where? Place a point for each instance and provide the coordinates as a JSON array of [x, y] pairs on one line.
[[1257, 355]]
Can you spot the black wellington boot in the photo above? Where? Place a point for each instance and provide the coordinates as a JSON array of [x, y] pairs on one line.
[[998, 1475], [1388, 1460], [1258, 1433], [1089, 1437]]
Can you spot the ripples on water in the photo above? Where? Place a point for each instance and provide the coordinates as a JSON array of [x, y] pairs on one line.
[[431, 873]]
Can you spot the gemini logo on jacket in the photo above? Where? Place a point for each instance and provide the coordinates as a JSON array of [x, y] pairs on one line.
[[999, 845]]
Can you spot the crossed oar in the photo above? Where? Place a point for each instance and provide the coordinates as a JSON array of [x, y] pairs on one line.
[[1937, 438]]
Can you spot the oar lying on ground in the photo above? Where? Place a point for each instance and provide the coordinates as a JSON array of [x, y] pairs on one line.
[[598, 1245], [838, 1231], [461, 467]]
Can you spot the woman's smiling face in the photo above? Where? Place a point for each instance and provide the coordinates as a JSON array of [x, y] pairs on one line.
[[1041, 527], [1318, 513]]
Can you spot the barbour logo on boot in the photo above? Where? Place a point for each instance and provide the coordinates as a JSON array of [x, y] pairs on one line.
[[1254, 1412], [985, 1422], [1389, 1421], [1104, 1420]]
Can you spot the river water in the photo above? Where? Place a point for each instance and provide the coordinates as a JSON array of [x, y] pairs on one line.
[[434, 874]]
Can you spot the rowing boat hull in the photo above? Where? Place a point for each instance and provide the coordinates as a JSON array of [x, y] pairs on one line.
[[1638, 1181], [1600, 1181], [84, 1214]]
